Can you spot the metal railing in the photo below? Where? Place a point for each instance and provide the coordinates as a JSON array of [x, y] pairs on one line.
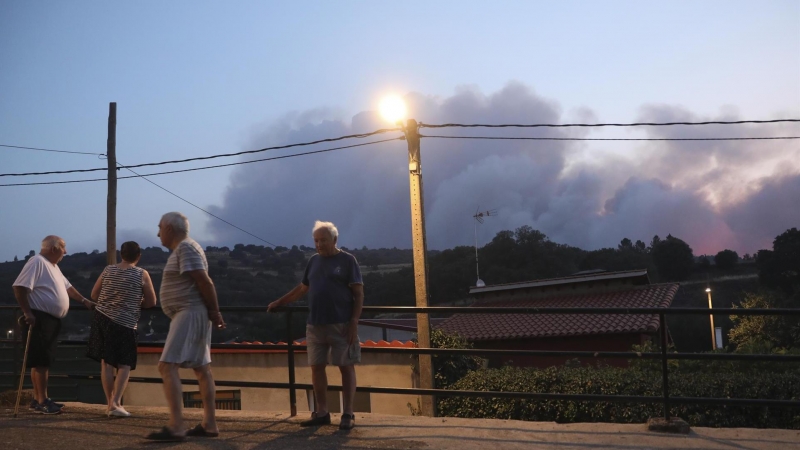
[[662, 355]]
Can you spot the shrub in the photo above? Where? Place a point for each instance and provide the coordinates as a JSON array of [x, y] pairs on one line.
[[630, 381]]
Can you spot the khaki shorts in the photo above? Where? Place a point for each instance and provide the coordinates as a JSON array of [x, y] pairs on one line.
[[327, 344]]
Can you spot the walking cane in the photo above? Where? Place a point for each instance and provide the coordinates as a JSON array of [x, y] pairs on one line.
[[22, 372]]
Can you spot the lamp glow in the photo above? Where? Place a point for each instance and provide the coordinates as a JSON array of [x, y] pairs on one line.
[[393, 109]]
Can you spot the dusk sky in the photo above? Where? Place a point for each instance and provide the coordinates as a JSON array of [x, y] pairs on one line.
[[198, 78]]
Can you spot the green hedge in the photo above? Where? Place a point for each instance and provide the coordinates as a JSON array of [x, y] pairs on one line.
[[631, 381]]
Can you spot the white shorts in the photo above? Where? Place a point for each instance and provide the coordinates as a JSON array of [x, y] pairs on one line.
[[327, 344], [189, 339]]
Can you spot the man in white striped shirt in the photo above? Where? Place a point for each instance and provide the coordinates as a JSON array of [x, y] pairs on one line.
[[189, 298]]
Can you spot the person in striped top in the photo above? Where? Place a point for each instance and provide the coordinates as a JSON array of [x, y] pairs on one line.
[[189, 299], [121, 291]]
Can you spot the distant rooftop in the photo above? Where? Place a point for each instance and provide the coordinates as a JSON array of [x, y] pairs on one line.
[[637, 277], [488, 327]]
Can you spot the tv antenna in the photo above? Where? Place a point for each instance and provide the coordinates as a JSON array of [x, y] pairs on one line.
[[478, 216]]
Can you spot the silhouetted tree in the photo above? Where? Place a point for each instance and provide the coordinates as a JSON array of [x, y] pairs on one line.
[[780, 268], [673, 258], [726, 259]]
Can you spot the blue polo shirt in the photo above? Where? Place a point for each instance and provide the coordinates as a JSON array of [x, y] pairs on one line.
[[328, 278]]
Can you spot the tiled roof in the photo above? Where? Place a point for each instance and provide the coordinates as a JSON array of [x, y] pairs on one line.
[[486, 327], [244, 349]]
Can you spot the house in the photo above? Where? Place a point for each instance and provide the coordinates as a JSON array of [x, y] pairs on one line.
[[564, 332]]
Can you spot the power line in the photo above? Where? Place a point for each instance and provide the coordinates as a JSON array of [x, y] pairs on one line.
[[51, 150], [187, 201], [199, 158], [609, 139], [564, 125], [210, 167]]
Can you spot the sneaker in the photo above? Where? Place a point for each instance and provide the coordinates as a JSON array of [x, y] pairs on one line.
[[49, 401], [316, 420], [34, 404], [48, 408]]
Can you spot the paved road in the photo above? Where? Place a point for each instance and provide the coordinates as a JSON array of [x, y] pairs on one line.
[[84, 427]]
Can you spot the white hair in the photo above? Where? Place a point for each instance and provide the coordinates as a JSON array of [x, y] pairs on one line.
[[52, 241], [332, 230], [179, 222]]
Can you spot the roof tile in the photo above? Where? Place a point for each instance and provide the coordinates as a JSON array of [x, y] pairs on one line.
[[486, 327]]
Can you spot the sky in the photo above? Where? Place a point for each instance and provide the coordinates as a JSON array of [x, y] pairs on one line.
[[199, 78]]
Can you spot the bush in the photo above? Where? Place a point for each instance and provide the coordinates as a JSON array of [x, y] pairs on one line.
[[618, 381], [449, 369]]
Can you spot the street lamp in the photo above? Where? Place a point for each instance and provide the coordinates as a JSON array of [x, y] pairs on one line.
[[9, 334], [711, 317], [393, 109]]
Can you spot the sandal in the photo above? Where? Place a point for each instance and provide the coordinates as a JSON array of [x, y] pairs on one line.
[[348, 422], [165, 435], [199, 431], [316, 420]]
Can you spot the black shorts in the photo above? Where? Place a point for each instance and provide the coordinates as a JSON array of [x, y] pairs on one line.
[[111, 342], [44, 339]]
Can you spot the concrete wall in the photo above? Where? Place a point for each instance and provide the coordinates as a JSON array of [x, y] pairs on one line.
[[379, 370]]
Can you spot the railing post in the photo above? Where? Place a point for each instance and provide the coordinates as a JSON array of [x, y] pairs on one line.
[[290, 342], [664, 367]]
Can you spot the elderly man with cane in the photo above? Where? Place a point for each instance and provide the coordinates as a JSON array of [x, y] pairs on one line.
[[335, 298], [43, 295], [189, 299]]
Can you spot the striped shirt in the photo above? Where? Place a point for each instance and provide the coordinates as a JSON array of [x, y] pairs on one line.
[[178, 289], [121, 295]]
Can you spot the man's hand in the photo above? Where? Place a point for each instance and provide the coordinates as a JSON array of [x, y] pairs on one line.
[[271, 307], [89, 304], [29, 318], [216, 318], [351, 331]]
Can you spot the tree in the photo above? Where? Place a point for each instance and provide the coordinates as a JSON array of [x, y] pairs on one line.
[[15, 258], [625, 244], [703, 263], [673, 258], [779, 332], [726, 259], [780, 268]]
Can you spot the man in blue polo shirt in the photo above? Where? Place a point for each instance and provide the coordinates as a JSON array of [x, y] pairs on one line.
[[335, 297]]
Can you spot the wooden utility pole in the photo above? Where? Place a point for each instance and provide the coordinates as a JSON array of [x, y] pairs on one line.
[[111, 204], [420, 249]]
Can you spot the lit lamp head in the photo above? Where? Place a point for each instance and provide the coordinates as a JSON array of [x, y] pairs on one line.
[[393, 109], [708, 290]]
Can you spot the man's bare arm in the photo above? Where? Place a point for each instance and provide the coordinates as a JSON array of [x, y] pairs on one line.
[[75, 295], [209, 295], [21, 294], [358, 305], [291, 296]]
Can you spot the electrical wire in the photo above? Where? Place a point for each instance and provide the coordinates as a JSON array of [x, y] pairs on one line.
[[608, 139], [210, 167], [224, 155], [187, 201], [51, 150], [564, 125]]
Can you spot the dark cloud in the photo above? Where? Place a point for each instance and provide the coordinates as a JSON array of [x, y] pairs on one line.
[[768, 212], [714, 195]]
